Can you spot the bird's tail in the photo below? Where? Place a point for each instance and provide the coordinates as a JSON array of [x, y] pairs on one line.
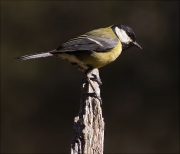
[[33, 56]]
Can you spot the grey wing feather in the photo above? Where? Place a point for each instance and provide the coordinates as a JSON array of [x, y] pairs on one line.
[[87, 43]]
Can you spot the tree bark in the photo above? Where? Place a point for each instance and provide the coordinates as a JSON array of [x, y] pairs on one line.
[[88, 133]]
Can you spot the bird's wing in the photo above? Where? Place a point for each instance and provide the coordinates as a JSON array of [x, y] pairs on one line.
[[87, 43]]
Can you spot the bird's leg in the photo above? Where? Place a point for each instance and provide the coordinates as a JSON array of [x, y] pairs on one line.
[[94, 94], [95, 78]]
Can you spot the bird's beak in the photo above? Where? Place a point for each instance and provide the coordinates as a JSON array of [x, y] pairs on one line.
[[137, 45]]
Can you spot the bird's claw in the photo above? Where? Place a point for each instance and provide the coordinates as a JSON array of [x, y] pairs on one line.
[[97, 79]]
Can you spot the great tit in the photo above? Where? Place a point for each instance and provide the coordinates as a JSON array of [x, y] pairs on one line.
[[94, 49]]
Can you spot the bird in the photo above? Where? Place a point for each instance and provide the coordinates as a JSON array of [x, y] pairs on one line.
[[93, 49]]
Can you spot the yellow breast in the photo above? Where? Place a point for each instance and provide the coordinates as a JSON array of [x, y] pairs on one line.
[[100, 59]]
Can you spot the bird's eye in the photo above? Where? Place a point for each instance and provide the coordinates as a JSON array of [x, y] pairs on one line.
[[130, 34]]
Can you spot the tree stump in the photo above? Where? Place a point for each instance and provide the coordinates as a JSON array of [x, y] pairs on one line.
[[88, 133]]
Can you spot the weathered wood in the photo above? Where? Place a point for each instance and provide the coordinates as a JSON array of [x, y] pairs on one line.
[[88, 133]]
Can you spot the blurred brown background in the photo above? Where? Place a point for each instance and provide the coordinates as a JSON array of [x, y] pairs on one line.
[[140, 91]]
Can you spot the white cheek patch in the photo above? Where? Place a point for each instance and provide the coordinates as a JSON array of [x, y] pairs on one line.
[[122, 35]]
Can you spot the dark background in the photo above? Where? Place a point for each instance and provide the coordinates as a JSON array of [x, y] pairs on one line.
[[140, 91]]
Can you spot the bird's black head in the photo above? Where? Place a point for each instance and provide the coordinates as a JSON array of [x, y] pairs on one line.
[[126, 36]]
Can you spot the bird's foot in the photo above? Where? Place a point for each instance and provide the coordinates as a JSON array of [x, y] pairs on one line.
[[94, 94], [97, 79], [90, 76]]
